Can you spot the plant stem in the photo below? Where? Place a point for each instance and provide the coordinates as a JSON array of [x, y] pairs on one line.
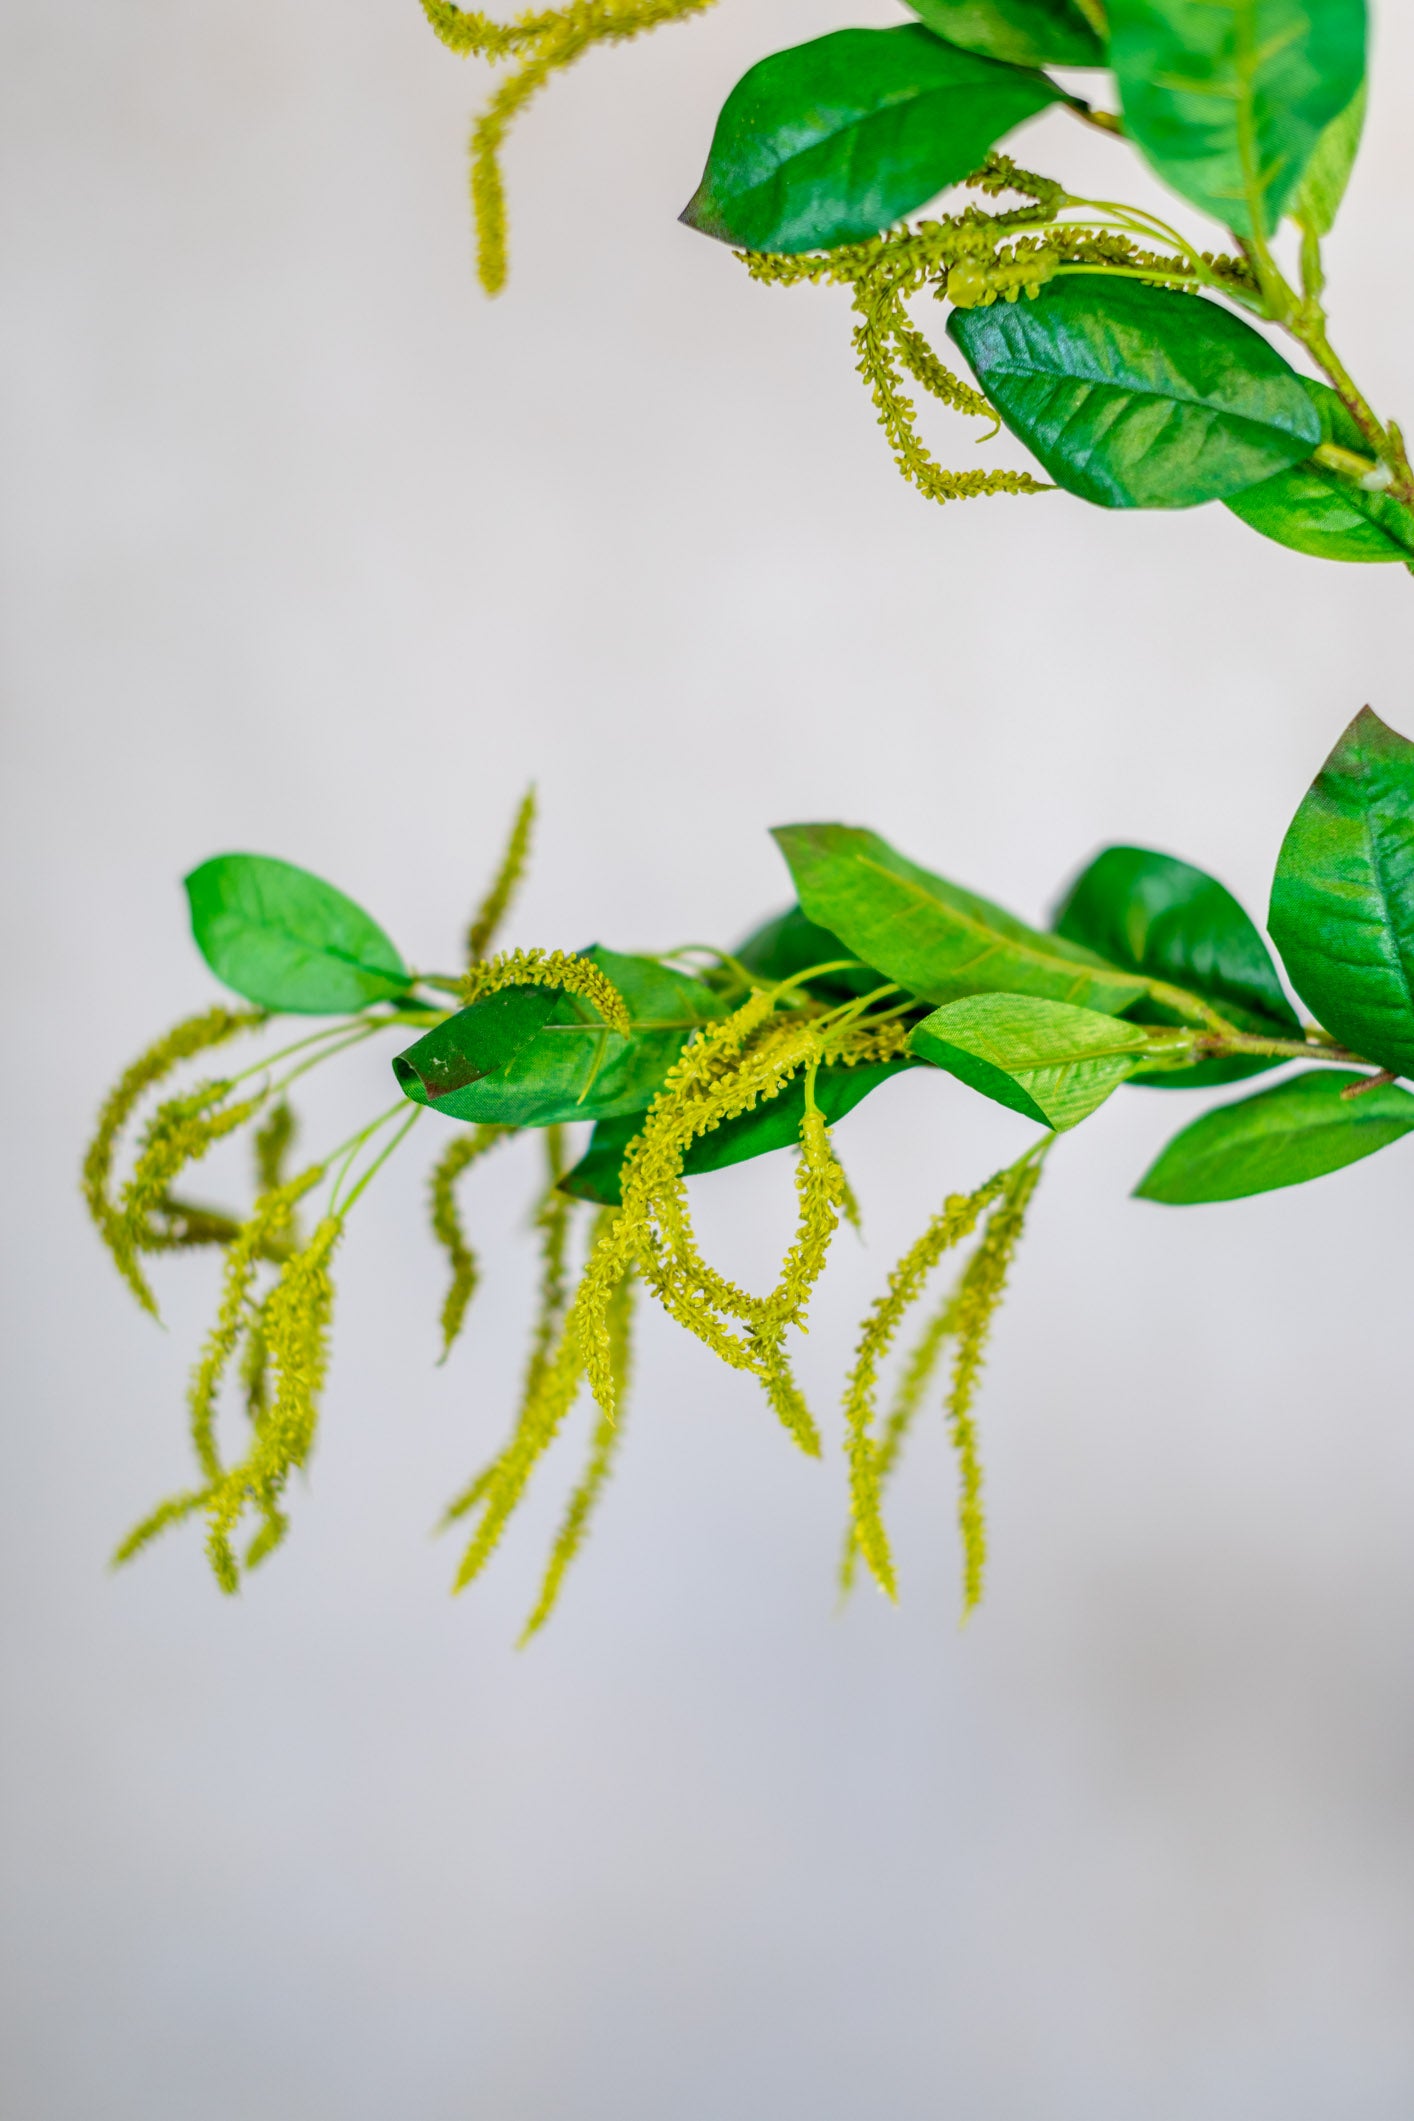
[[1307, 324], [1371, 1082], [1104, 121], [1366, 472], [346, 1153], [1303, 317], [378, 1162], [1218, 1047], [1191, 1007]]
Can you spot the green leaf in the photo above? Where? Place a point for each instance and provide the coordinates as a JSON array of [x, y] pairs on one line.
[[1317, 512], [289, 941], [936, 940], [536, 1057], [1154, 914], [1318, 198], [1228, 98], [833, 140], [775, 1125], [1281, 1137], [785, 947], [1052, 1062], [1023, 32], [1342, 912], [1136, 397], [479, 1041], [1313, 509]]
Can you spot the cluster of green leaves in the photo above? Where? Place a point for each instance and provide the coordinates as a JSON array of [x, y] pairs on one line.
[[1150, 973], [1153, 973], [1097, 333], [1120, 352]]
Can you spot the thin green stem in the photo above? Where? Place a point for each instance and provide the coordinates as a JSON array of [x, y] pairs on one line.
[[317, 1060], [444, 982], [1366, 472], [1117, 272], [640, 1023], [741, 974], [299, 1045], [1191, 1007], [1137, 221], [348, 1030], [835, 964], [849, 1013], [382, 1157], [1313, 271], [348, 1149]]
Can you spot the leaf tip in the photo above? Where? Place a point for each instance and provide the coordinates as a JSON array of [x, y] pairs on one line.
[[702, 215]]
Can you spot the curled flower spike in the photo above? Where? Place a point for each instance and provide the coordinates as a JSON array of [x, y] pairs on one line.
[[196, 1034], [551, 968], [545, 42]]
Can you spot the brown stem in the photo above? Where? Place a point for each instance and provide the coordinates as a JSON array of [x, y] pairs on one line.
[[1371, 1082]]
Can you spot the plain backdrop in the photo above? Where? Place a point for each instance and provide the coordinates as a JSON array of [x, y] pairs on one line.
[[312, 550]]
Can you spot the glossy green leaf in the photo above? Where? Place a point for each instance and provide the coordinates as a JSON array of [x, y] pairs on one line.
[[1022, 32], [1342, 911], [1281, 1137], [1052, 1062], [1315, 510], [1227, 99], [479, 1041], [936, 940], [775, 1125], [289, 941], [790, 944], [506, 1067], [1135, 397], [1321, 190], [1154, 914], [834, 140]]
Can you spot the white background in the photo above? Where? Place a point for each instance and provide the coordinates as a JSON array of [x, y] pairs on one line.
[[310, 549]]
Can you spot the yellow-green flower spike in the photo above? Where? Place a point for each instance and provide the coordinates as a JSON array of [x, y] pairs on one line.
[[196, 1034], [546, 42], [604, 1444], [954, 1222], [486, 921], [463, 1151], [551, 968], [979, 1294], [179, 1133]]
